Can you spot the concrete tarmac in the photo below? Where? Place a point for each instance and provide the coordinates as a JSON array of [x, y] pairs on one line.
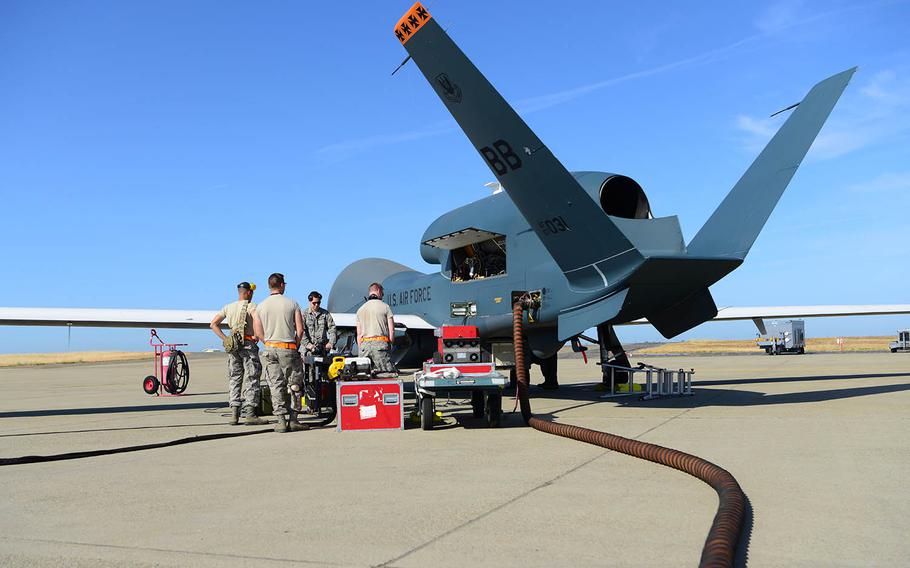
[[819, 443]]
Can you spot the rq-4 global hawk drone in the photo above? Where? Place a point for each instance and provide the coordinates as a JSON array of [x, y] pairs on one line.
[[583, 243]]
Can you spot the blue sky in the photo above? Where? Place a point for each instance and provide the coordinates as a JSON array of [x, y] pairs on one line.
[[154, 154]]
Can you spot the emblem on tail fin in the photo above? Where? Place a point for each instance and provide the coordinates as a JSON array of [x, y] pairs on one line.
[[451, 91]]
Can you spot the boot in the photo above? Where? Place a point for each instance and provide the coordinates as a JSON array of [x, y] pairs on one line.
[[282, 425], [296, 426], [235, 416], [250, 418]]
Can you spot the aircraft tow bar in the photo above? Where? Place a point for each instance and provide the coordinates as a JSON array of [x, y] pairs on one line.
[[720, 544]]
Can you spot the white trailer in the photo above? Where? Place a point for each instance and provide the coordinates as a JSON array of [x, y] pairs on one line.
[[903, 342], [784, 337]]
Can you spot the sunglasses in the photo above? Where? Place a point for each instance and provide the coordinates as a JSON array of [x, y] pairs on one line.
[[316, 301]]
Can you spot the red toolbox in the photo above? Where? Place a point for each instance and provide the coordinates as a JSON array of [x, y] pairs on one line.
[[370, 405]]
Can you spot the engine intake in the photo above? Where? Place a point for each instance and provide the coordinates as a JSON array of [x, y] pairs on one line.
[[621, 196]]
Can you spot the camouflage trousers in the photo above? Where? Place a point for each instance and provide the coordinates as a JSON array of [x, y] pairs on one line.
[[244, 365], [283, 368], [380, 356]]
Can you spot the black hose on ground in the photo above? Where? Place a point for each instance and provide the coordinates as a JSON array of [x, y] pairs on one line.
[[720, 545], [93, 453]]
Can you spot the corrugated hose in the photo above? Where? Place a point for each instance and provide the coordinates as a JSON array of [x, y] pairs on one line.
[[720, 545]]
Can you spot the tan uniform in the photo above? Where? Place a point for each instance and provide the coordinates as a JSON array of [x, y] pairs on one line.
[[373, 317], [283, 366], [244, 363]]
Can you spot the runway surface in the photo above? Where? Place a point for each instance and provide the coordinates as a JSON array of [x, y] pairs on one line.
[[819, 443]]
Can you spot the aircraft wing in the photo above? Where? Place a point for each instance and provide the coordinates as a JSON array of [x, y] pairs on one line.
[[760, 313], [115, 317]]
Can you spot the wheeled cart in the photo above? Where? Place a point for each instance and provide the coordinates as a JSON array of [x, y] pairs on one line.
[[484, 383], [170, 369]]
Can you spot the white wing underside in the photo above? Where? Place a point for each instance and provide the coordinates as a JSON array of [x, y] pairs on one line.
[[200, 319], [783, 312], [114, 317]]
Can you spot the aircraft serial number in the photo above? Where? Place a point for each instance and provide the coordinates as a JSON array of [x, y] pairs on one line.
[[553, 226]]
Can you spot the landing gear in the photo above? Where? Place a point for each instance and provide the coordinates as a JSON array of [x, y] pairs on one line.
[[612, 353]]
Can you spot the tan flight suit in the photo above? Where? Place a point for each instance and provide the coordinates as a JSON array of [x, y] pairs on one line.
[[282, 365], [373, 318], [244, 362]]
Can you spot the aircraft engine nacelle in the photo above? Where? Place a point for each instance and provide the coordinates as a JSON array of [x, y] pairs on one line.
[[618, 195]]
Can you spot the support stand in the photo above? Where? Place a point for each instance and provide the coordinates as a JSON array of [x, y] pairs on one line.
[[611, 353]]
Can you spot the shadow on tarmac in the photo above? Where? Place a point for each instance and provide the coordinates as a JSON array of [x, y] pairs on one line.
[[724, 397], [797, 379], [111, 429], [112, 409]]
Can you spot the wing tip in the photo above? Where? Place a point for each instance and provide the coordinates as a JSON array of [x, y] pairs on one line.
[[411, 22]]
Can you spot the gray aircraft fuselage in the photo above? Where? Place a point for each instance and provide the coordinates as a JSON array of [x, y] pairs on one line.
[[529, 267], [586, 242]]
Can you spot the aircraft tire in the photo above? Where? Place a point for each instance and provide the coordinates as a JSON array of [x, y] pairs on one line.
[[477, 403], [150, 384], [494, 409], [426, 413]]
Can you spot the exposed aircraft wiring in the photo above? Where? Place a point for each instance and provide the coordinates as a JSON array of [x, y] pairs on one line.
[[720, 544]]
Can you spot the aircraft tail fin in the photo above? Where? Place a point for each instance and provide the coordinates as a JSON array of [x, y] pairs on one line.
[[735, 224], [553, 203]]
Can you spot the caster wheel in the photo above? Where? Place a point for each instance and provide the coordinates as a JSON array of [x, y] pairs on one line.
[[477, 403], [494, 410], [426, 413], [150, 385]]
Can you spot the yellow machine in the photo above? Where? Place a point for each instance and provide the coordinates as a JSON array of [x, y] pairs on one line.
[[336, 367]]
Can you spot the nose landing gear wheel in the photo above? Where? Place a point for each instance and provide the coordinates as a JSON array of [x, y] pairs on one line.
[[150, 385]]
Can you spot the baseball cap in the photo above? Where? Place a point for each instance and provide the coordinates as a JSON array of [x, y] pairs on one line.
[[246, 286]]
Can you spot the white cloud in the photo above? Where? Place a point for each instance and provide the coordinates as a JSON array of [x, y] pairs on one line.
[[778, 16], [888, 181], [870, 114]]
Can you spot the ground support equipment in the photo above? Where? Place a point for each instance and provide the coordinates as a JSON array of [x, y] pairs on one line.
[[319, 400], [170, 369], [659, 382], [484, 383], [370, 405]]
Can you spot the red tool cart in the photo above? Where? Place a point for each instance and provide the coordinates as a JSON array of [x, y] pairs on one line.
[[370, 405]]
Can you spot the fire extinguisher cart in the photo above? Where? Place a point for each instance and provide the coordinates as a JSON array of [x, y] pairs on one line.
[[170, 369], [484, 383]]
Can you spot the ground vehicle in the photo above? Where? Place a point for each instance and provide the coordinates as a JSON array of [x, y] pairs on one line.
[[903, 342], [784, 337]]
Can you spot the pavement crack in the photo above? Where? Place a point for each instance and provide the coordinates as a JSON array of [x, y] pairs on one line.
[[437, 538], [547, 483], [173, 551]]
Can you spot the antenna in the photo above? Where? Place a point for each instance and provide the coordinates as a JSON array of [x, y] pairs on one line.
[[495, 186]]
